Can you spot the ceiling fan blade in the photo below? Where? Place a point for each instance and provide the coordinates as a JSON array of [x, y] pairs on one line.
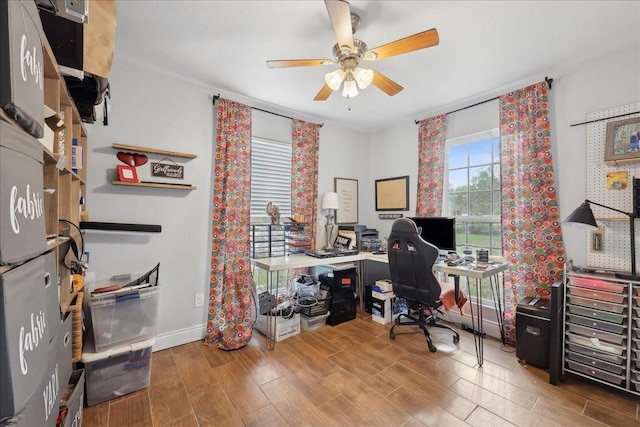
[[323, 94], [408, 44], [385, 84], [340, 16], [283, 63]]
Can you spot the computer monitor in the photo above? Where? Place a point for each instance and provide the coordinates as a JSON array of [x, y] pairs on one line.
[[439, 231]]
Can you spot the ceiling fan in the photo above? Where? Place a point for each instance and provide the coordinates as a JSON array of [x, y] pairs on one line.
[[349, 53]]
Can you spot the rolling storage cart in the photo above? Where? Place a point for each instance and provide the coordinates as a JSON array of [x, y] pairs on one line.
[[602, 330]]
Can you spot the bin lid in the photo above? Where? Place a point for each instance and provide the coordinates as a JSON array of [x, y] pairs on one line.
[[535, 306], [89, 353]]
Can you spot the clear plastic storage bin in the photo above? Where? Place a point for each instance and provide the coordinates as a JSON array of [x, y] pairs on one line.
[[116, 372], [124, 308], [124, 318]]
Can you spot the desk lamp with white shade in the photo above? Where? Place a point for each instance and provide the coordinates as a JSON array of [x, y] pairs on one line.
[[329, 202]]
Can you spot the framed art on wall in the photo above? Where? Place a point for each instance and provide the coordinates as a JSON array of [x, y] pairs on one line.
[[392, 194], [347, 189], [622, 145]]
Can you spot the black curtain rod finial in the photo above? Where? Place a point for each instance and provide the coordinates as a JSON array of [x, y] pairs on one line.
[[549, 81], [215, 98]]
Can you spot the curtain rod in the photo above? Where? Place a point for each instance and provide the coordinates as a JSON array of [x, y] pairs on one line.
[[216, 97], [604, 118], [546, 79]]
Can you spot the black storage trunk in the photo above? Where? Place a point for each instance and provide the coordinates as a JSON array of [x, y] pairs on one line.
[[342, 285], [342, 311], [533, 331], [22, 64]]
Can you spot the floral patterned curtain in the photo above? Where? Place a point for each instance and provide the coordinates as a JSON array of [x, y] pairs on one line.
[[304, 172], [531, 235], [232, 311], [304, 178], [432, 137]]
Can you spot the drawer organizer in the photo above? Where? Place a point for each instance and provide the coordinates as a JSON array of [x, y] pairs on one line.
[[602, 330]]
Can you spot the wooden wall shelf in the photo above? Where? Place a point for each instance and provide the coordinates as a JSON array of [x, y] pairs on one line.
[[156, 185], [153, 151]]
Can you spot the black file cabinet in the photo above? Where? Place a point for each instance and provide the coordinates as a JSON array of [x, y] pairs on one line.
[[342, 284], [533, 331]]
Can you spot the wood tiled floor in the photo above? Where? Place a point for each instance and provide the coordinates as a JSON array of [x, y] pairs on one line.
[[354, 375]]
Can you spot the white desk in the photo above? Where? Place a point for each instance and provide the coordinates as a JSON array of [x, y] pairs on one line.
[[490, 273], [303, 261], [295, 261]]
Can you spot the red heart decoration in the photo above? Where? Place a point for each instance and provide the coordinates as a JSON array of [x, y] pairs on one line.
[[126, 158], [139, 159]]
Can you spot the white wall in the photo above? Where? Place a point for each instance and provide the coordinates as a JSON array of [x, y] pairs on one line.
[[600, 84], [154, 111], [591, 86], [160, 111]]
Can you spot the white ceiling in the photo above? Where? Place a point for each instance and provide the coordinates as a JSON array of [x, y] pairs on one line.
[[484, 46]]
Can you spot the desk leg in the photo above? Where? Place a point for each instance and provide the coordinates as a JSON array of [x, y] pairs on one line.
[[362, 273], [478, 333], [272, 320], [497, 303]]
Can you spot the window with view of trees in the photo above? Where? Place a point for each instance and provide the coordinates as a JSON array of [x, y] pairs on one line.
[[473, 192]]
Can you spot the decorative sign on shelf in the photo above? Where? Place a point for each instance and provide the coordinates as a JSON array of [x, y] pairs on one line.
[[390, 216], [167, 170]]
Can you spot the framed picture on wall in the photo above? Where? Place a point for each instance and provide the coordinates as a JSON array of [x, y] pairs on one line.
[[347, 190], [623, 142], [392, 194]]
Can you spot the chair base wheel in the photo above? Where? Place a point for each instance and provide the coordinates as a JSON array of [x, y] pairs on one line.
[[432, 348], [456, 338], [392, 336]]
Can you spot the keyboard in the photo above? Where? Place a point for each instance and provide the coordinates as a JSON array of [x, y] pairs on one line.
[[332, 253]]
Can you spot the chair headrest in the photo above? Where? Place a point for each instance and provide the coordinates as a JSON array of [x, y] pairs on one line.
[[404, 225]]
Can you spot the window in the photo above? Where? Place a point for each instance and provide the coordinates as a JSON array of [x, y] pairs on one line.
[[473, 193], [270, 182], [270, 176]]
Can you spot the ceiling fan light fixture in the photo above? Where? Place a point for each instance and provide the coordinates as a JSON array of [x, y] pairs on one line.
[[349, 90], [334, 79], [363, 76]]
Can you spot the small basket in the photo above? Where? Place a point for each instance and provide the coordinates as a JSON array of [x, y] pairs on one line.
[[307, 290], [76, 328], [322, 307]]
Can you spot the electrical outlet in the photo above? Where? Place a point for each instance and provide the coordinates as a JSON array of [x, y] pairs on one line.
[[199, 300]]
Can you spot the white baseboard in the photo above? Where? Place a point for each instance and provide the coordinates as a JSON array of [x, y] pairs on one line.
[[490, 323], [195, 333], [180, 337]]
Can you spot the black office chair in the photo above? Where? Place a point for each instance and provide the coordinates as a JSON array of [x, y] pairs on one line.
[[411, 262]]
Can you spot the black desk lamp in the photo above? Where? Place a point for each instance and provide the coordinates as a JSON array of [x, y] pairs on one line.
[[583, 218]]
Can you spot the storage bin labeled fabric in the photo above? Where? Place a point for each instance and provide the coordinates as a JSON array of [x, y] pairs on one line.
[[24, 335], [51, 289], [22, 229], [22, 65]]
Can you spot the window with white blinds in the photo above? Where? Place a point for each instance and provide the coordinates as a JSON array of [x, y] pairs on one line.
[[270, 176]]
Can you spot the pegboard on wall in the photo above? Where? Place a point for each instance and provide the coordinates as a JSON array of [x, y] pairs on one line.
[[616, 251]]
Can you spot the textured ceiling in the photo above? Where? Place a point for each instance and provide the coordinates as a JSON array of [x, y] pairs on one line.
[[484, 45]]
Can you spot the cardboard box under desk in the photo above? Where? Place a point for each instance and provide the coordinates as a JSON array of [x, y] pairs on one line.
[[285, 327], [386, 310]]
